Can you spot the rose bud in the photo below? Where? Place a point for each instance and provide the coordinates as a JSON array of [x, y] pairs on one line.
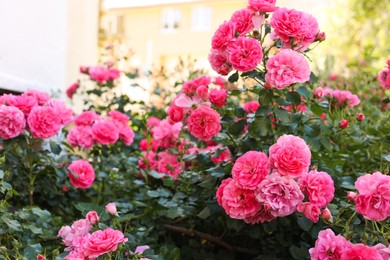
[[92, 217], [343, 123], [360, 117]]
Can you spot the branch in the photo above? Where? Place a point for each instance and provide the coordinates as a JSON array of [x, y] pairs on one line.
[[211, 238]]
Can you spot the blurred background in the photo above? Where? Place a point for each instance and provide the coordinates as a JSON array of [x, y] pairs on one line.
[[44, 42]]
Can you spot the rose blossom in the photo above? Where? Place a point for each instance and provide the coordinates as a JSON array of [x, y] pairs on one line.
[[99, 73], [264, 214], [250, 169], [384, 77], [290, 156], [111, 208], [220, 189], [126, 134], [12, 122], [311, 211], [140, 250], [168, 163], [72, 89], [105, 131], [329, 246], [148, 160], [343, 124], [326, 214], [223, 156], [103, 241], [223, 35], [146, 144], [41, 97], [86, 118], [82, 175], [92, 217], [373, 200], [383, 250], [319, 187], [113, 74], [294, 28], [281, 193], [285, 68], [218, 97], [244, 53], [239, 203], [251, 106], [242, 20], [81, 136], [176, 113], [44, 122], [360, 117], [204, 123], [119, 117], [218, 62], [360, 251], [23, 102], [166, 134], [65, 114], [262, 6]]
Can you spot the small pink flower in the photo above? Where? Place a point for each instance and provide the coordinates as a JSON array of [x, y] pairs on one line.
[[41, 257], [113, 74], [311, 211], [251, 107], [86, 118], [84, 69], [44, 122], [203, 92], [360, 251], [351, 196], [204, 123], [251, 169], [105, 131], [219, 62], [280, 193], [319, 188], [166, 134], [223, 35], [153, 121], [81, 136], [168, 163], [126, 134], [218, 97], [92, 217], [223, 156], [343, 123], [262, 6], [12, 122], [384, 78], [383, 250], [82, 175], [242, 20], [65, 114], [111, 208], [290, 156], [148, 161], [360, 117], [244, 53], [145, 145], [176, 113], [72, 89], [286, 68], [329, 246], [41, 97], [103, 241], [326, 214], [99, 73]]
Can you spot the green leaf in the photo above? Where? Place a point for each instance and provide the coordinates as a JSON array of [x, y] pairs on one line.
[[303, 91], [316, 109], [239, 112], [299, 252], [205, 213], [304, 223], [294, 98], [313, 78], [237, 127], [234, 77], [259, 127], [13, 224], [282, 115], [31, 251], [42, 214], [387, 157], [55, 148]]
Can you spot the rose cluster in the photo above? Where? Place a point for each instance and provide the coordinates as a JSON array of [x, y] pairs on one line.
[[338, 97], [90, 128], [330, 246], [193, 105], [373, 197], [236, 43], [85, 245], [34, 111], [384, 77], [263, 188]]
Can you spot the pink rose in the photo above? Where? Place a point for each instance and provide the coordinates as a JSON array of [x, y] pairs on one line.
[[146, 144], [329, 246], [153, 121], [343, 124], [311, 211], [383, 250], [203, 92], [176, 113], [111, 208], [99, 74], [218, 97], [218, 62], [126, 134], [296, 29], [223, 35], [23, 102], [280, 193], [86, 118], [81, 136], [250, 169], [168, 163], [239, 203], [319, 188], [65, 114], [204, 123], [251, 107], [244, 53], [72, 89], [373, 200], [326, 215], [262, 6], [105, 131], [41, 97], [220, 189], [360, 251], [92, 217], [351, 196], [119, 117], [166, 134], [12, 122], [113, 74], [44, 122], [285, 68], [80, 227], [384, 78], [290, 156], [242, 20], [219, 156], [82, 175], [360, 117], [148, 161], [41, 257], [264, 214], [103, 241]]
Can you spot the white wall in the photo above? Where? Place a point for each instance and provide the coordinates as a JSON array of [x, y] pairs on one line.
[[44, 41]]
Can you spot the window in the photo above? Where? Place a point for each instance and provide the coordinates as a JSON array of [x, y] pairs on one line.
[[201, 19], [171, 20]]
